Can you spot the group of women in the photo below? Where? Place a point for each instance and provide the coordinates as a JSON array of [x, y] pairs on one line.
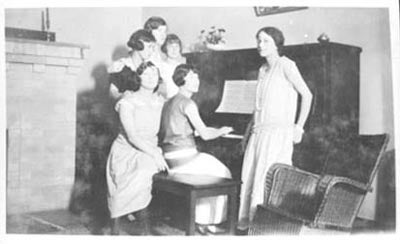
[[153, 87]]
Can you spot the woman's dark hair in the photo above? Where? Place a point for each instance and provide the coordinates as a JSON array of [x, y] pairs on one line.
[[276, 35], [180, 73], [138, 37], [125, 80], [171, 38], [153, 23], [142, 67]]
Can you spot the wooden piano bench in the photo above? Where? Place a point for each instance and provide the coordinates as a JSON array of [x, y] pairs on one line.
[[192, 187]]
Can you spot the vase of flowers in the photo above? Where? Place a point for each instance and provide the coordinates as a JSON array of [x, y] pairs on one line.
[[213, 39]]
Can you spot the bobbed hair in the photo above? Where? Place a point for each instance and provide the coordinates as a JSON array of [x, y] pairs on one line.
[[276, 35], [171, 38], [180, 73], [153, 23], [125, 80], [138, 37], [142, 68]]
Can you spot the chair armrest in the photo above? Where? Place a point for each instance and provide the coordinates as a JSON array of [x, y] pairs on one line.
[[329, 181], [342, 198]]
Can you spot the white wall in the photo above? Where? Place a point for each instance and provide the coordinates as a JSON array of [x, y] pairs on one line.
[[105, 30], [366, 28]]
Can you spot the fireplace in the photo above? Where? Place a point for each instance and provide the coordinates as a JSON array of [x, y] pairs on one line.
[[41, 121]]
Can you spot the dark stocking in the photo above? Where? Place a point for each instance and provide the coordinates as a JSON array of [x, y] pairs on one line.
[[144, 217], [115, 226]]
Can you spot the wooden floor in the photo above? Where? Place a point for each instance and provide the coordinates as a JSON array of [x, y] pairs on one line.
[[63, 222]]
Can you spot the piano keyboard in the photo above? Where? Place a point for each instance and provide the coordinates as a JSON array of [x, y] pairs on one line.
[[233, 136]]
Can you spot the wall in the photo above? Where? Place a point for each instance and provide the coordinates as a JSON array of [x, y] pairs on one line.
[[366, 28], [105, 31]]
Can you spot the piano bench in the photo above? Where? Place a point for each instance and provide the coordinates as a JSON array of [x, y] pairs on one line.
[[192, 187]]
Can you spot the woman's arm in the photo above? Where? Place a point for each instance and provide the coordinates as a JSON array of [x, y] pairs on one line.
[[206, 133], [162, 90], [293, 75], [125, 114], [114, 92]]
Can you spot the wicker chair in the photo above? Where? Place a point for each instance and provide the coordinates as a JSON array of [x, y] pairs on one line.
[[295, 198]]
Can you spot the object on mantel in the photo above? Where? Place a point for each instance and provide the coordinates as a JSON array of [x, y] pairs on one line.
[[30, 34], [323, 38]]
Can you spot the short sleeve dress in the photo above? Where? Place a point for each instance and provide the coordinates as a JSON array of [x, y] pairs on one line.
[[166, 71], [129, 170]]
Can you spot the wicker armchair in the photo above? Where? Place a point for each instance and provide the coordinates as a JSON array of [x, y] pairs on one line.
[[295, 198]]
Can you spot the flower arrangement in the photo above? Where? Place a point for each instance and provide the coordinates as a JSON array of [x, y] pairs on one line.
[[213, 39], [214, 36]]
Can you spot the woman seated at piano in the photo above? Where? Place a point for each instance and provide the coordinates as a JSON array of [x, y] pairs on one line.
[[179, 121], [273, 128], [134, 156], [172, 47]]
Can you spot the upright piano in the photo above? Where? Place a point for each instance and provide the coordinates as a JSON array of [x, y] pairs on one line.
[[331, 71]]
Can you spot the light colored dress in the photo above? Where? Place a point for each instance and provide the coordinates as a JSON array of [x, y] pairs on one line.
[[129, 171], [177, 137], [271, 140], [158, 57], [166, 71]]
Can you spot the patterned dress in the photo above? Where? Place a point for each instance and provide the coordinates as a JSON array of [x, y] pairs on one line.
[[271, 140], [129, 170]]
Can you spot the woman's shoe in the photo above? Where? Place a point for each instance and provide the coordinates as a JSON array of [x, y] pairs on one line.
[[213, 229], [202, 229], [242, 232]]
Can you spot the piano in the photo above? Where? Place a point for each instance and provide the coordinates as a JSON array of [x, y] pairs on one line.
[[331, 70]]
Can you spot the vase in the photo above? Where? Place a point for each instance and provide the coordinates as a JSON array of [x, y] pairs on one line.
[[216, 47]]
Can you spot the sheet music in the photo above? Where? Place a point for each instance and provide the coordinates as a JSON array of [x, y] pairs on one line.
[[238, 97]]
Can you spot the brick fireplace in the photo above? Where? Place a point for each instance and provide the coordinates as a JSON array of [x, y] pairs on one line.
[[41, 123]]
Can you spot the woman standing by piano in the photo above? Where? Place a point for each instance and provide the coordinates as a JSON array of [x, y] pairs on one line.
[[273, 127]]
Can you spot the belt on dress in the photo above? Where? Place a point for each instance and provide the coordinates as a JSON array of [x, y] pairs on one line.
[[182, 153], [264, 126]]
